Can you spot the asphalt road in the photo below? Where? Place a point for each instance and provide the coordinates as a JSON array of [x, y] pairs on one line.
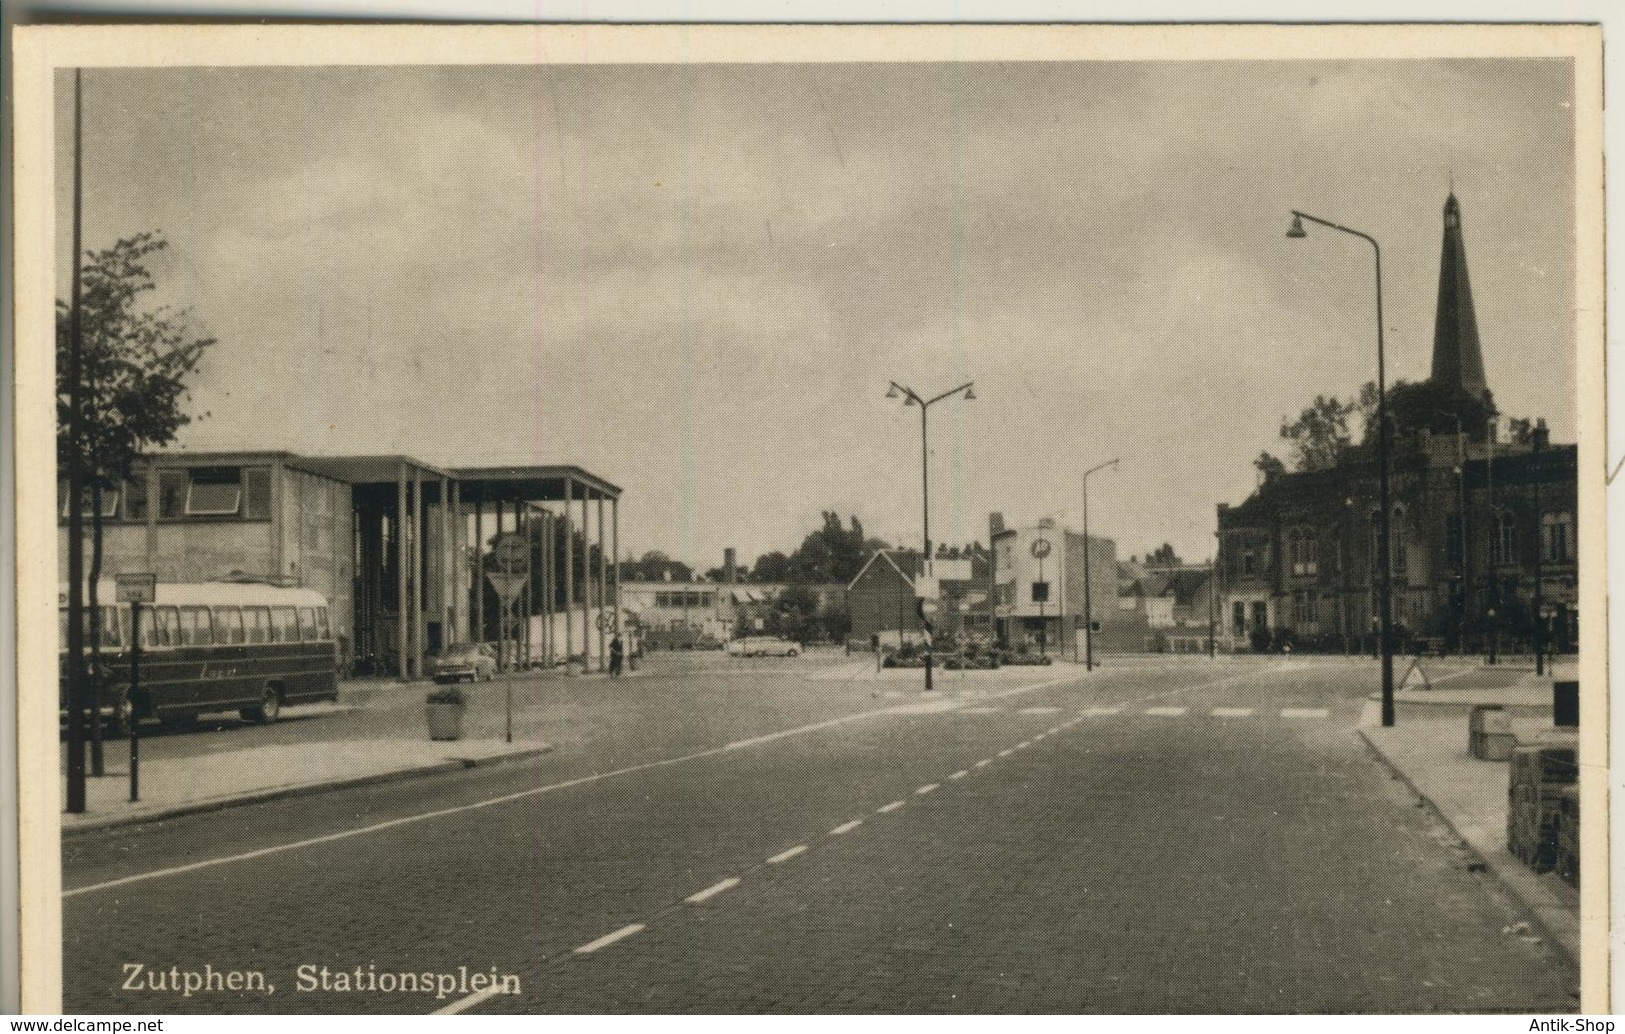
[[1181, 836]]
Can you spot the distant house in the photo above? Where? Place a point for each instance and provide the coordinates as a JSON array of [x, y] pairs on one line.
[[882, 596]]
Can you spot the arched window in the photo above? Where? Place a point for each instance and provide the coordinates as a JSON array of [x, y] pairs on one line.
[[1506, 538], [1557, 536]]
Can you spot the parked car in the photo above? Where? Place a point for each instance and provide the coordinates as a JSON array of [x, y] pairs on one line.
[[464, 662], [763, 646]]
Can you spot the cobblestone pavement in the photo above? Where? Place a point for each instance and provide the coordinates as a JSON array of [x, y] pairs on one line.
[[1220, 842]]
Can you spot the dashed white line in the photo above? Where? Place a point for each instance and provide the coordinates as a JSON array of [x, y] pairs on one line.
[[610, 938], [1096, 711], [713, 890], [1166, 712], [1304, 712], [1024, 744], [893, 806], [846, 827], [962, 773], [472, 1000], [1006, 753], [1232, 712], [1040, 710], [927, 788], [983, 763], [785, 856]]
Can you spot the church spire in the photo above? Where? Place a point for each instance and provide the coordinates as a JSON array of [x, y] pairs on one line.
[[1457, 358]]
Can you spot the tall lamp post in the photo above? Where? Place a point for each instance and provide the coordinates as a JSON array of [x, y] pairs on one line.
[[1384, 563], [1088, 611], [912, 398]]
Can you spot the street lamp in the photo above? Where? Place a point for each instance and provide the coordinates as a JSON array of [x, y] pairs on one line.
[[1088, 613], [911, 398], [1384, 571]]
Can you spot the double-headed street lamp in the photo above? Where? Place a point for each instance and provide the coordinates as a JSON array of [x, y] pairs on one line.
[[1384, 572], [1088, 613], [912, 398]]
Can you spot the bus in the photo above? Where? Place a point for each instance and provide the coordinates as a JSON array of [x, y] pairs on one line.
[[212, 646]]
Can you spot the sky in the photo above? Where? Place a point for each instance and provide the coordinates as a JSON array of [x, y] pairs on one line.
[[697, 281]]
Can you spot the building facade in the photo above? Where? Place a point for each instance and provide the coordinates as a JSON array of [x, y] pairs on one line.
[[882, 597], [1482, 548], [1039, 590]]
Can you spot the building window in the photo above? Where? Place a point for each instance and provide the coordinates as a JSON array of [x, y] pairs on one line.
[[1506, 539], [1041, 592], [135, 497], [110, 501], [172, 487], [1238, 618], [1557, 536], [257, 493], [1303, 608], [214, 492], [1249, 563], [1401, 548], [1301, 552]]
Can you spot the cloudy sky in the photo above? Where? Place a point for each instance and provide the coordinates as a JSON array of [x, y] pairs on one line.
[[696, 281]]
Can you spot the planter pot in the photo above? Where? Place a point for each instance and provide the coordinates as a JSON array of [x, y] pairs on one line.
[[446, 721]]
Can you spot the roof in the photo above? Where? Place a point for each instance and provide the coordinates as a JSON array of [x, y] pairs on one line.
[[507, 483], [214, 594]]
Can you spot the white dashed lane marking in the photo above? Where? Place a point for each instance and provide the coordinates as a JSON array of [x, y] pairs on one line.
[[1040, 710], [1095, 711], [785, 856], [846, 827], [1166, 712], [978, 710], [1304, 712], [713, 890], [1004, 753], [962, 773], [1232, 712], [927, 788], [983, 763], [893, 806], [609, 938]]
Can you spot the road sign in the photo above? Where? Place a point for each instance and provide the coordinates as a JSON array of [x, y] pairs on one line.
[[512, 553], [136, 588], [507, 585], [1040, 548]]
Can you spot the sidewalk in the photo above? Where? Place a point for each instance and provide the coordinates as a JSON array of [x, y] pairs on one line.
[[1427, 748], [185, 785]]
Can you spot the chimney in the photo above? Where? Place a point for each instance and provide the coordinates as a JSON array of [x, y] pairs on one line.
[[730, 566], [1541, 437]]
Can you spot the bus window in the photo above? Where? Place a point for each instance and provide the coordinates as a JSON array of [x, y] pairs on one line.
[[196, 628], [228, 624], [162, 627], [284, 625], [258, 624], [111, 636], [322, 629], [307, 623]]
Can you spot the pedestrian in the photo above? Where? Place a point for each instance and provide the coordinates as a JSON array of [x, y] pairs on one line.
[[617, 650]]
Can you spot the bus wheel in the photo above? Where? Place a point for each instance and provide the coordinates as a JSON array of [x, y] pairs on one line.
[[270, 706]]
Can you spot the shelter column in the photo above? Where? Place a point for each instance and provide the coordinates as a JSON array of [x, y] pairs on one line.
[[586, 582], [615, 555], [398, 531], [503, 660], [569, 574], [478, 632], [458, 575], [523, 520], [602, 599], [443, 584], [419, 525]]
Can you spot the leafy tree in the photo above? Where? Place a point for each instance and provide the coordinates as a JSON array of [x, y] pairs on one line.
[[134, 366], [1163, 555], [1320, 436], [771, 567], [833, 553], [1521, 431]]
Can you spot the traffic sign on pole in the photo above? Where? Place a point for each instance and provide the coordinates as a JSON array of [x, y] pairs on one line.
[[512, 553], [507, 585]]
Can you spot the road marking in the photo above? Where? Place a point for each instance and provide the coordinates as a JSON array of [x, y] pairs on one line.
[[1232, 712], [609, 938], [846, 827], [927, 788], [1007, 753], [785, 856], [983, 763], [893, 806], [979, 710], [1304, 712], [1094, 711], [713, 890], [962, 773], [1040, 710], [1167, 712], [472, 1000]]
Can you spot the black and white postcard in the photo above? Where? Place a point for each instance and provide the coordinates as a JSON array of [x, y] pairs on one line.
[[807, 520]]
